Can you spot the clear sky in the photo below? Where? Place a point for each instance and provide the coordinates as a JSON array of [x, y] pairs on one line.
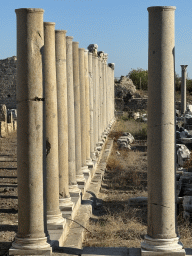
[[119, 27]]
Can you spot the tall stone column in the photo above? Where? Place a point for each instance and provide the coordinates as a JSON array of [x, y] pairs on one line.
[[112, 66], [83, 109], [31, 237], [106, 88], [183, 88], [161, 234], [76, 84], [93, 49], [61, 77], [89, 162], [91, 106], [54, 216], [73, 187]]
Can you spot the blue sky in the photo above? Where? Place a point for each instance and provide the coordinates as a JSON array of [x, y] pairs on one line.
[[119, 27]]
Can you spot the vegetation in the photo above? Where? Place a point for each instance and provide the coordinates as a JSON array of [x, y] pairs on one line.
[[139, 77]]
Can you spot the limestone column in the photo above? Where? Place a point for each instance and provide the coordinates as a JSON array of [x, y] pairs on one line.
[[98, 148], [93, 49], [89, 162], [61, 77], [76, 85], [82, 108], [161, 234], [31, 236], [91, 106], [73, 187], [104, 94], [183, 88], [54, 216]]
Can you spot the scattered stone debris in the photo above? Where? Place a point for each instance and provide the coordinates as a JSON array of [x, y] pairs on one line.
[[125, 140], [183, 154]]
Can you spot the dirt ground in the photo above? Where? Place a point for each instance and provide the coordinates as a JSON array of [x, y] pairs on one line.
[[113, 222], [8, 192]]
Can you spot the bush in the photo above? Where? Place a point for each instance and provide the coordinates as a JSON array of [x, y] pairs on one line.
[[139, 76], [189, 85]]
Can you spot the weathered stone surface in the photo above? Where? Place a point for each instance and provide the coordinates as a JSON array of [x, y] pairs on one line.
[[8, 81]]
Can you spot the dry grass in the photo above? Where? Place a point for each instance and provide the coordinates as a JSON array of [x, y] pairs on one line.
[[114, 222]]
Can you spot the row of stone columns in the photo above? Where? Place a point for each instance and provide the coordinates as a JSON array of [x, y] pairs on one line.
[[65, 110]]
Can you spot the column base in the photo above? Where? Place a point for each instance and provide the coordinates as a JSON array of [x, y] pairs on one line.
[[66, 205], [13, 251], [74, 191], [55, 222], [89, 163], [86, 171], [100, 143], [80, 180], [30, 246], [152, 246]]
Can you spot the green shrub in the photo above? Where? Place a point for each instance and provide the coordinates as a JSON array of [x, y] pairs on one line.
[[139, 76]]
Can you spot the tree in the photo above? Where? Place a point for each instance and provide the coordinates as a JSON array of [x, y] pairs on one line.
[[139, 77]]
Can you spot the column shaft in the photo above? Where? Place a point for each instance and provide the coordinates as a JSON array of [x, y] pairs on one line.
[[30, 41], [60, 50], [71, 114], [83, 109], [161, 234], [51, 126], [183, 88], [91, 105]]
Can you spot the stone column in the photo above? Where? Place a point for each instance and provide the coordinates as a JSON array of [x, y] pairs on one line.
[[89, 162], [183, 88], [83, 109], [93, 49], [54, 216], [106, 90], [76, 85], [161, 235], [31, 237], [61, 77], [73, 187], [91, 106]]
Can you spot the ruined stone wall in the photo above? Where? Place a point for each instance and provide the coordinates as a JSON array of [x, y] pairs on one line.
[[8, 82]]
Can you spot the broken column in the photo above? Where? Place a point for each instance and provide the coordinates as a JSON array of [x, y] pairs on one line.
[[112, 66], [183, 88], [61, 77], [73, 187], [89, 162], [161, 234], [76, 85], [54, 216], [31, 238]]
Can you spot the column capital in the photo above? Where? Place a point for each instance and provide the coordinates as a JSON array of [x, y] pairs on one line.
[[29, 10], [105, 57], [111, 65], [184, 67], [161, 8], [93, 49]]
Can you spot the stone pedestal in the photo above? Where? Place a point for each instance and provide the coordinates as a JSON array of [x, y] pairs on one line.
[[76, 85], [73, 187], [54, 216], [183, 88], [61, 77], [161, 238], [31, 238]]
